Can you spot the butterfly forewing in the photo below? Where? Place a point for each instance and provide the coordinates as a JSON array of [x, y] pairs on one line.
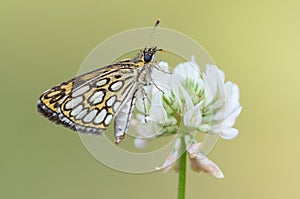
[[88, 102]]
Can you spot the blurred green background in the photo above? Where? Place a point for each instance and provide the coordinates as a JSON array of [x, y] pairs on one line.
[[256, 43]]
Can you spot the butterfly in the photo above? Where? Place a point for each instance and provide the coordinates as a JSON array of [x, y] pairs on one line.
[[89, 102]]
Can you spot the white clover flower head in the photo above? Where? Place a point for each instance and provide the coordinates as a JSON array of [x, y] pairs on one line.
[[184, 102]]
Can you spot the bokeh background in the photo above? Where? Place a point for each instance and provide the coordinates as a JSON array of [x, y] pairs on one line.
[[256, 43]]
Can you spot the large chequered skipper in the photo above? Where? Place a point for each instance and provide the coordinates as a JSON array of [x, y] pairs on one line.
[[89, 102]]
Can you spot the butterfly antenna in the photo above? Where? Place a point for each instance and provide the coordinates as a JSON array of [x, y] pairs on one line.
[[154, 28]]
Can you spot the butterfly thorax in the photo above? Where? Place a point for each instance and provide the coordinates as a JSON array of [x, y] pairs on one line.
[[142, 65]]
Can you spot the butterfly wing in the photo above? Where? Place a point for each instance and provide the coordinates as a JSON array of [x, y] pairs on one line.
[[122, 119], [88, 102]]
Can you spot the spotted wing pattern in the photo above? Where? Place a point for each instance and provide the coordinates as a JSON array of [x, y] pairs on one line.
[[88, 102]]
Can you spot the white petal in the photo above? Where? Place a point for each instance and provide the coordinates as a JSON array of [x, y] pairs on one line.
[[177, 144], [194, 62], [158, 114], [156, 99], [187, 70], [159, 75], [214, 83], [201, 163], [188, 102], [229, 134], [193, 117], [162, 80], [172, 159], [230, 119], [170, 162], [221, 75], [232, 97], [210, 76], [193, 149], [220, 125], [164, 66], [218, 115]]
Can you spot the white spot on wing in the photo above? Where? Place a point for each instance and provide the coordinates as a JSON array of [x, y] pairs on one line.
[[97, 97], [74, 102], [116, 106], [81, 91], [111, 101], [100, 117], [81, 114], [76, 110], [116, 85], [108, 119], [102, 82], [90, 116]]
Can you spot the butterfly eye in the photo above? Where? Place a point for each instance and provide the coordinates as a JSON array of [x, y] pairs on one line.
[[147, 58]]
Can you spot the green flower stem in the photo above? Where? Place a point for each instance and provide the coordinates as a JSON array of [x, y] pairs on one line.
[[182, 172]]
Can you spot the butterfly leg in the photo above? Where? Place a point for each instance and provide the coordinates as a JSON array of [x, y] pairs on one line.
[[144, 103], [161, 70], [157, 86]]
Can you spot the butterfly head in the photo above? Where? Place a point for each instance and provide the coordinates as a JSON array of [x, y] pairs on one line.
[[148, 54]]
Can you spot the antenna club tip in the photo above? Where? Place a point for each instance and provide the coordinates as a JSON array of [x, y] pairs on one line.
[[157, 22]]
